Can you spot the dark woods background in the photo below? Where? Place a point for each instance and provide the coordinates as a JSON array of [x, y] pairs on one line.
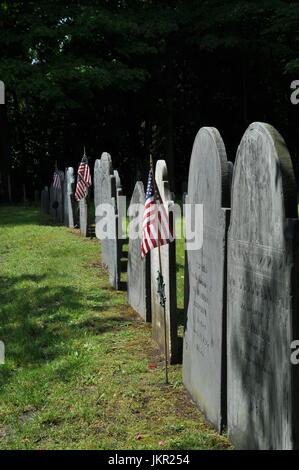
[[135, 76]]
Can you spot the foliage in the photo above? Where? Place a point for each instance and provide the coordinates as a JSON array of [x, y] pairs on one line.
[[136, 76]]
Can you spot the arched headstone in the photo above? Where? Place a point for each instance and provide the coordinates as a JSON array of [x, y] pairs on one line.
[[121, 212], [168, 264], [139, 283], [204, 352], [83, 216], [69, 186], [263, 390], [105, 194], [2, 92]]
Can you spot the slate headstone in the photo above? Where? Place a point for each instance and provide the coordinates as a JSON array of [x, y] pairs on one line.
[[139, 281], [105, 193], [45, 200], [204, 356], [2, 92], [69, 188], [168, 264], [186, 270], [83, 216], [262, 313], [121, 210]]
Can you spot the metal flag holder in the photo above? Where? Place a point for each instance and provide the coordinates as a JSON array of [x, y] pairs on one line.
[[160, 279]]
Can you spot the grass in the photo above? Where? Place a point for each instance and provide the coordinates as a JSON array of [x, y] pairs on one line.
[[77, 370]]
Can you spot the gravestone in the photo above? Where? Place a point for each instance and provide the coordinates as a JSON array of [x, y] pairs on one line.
[[83, 216], [121, 212], [139, 281], [186, 271], [2, 92], [45, 200], [105, 194], [262, 310], [168, 264], [56, 201], [69, 202], [118, 189], [204, 352]]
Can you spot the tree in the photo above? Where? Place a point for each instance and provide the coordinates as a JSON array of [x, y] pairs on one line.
[[140, 76]]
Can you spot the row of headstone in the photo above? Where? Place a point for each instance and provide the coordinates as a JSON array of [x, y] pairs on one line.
[[60, 202], [241, 285], [107, 190], [243, 297], [63, 208], [143, 273]]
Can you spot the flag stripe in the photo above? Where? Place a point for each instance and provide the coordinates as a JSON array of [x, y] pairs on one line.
[[83, 180], [56, 180], [156, 228]]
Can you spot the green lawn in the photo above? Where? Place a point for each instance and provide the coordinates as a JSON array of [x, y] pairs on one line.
[[77, 370]]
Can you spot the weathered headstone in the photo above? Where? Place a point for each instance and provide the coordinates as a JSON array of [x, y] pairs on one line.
[[263, 392], [121, 211], [168, 264], [69, 186], [204, 354], [45, 200], [139, 281], [186, 270], [83, 215], [56, 201], [118, 189], [2, 92], [105, 203]]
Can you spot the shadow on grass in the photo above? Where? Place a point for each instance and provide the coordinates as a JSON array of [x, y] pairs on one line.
[[22, 216], [37, 323]]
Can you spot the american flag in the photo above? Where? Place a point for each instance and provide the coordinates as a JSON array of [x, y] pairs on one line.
[[83, 180], [156, 229], [56, 180]]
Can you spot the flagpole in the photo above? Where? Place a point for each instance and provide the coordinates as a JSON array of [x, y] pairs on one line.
[[88, 228], [161, 284]]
